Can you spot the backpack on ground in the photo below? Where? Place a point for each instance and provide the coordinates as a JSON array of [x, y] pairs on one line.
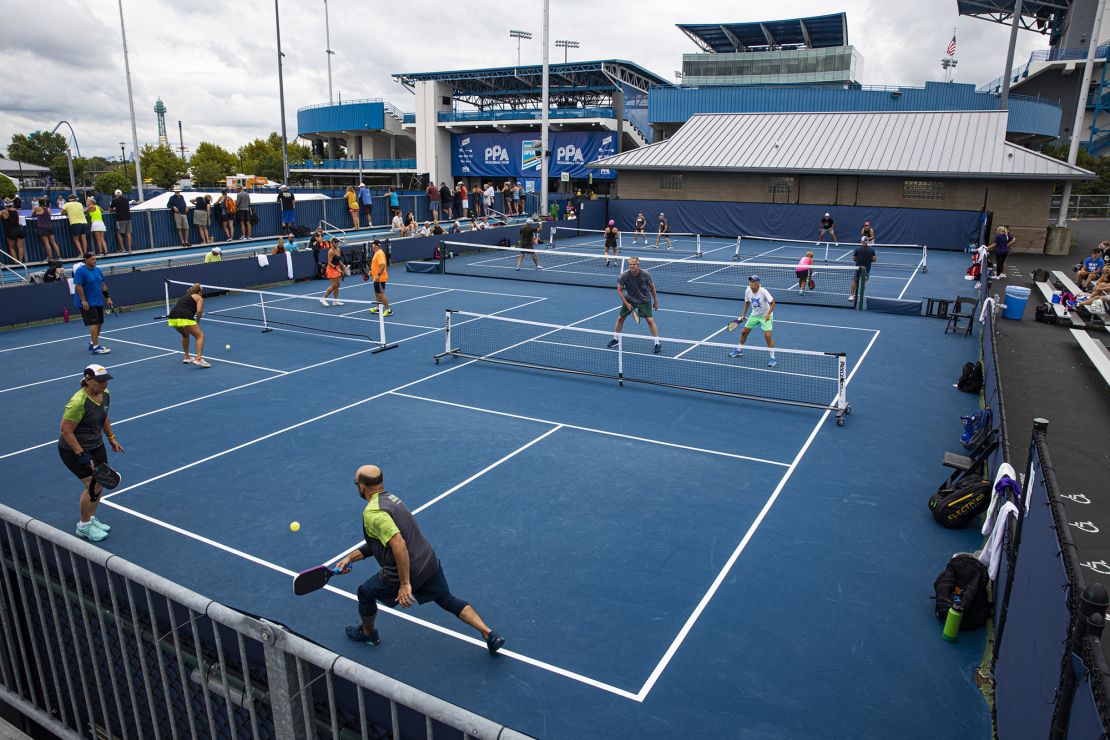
[[1039, 276], [1044, 314], [958, 506], [964, 582], [971, 378], [976, 427]]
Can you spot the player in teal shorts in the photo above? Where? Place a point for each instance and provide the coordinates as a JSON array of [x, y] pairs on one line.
[[762, 306]]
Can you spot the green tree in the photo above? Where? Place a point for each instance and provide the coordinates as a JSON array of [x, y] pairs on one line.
[[1098, 165], [7, 187], [121, 178], [161, 165], [38, 147], [263, 156], [212, 163], [59, 168]]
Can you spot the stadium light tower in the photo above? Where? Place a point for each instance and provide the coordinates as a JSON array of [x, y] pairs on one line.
[[131, 105], [518, 35], [564, 44], [328, 51], [949, 65]]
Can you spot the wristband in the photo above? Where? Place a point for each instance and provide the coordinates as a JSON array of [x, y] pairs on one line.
[[111, 436]]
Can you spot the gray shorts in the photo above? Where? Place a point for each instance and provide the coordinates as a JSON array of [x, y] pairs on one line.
[[200, 218], [123, 227], [181, 220]]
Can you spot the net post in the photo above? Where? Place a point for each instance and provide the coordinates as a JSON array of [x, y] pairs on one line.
[[861, 289], [262, 302], [842, 383], [827, 253], [551, 235], [697, 245], [738, 240], [447, 332], [166, 287], [924, 257], [443, 258], [620, 239], [383, 344], [620, 359]]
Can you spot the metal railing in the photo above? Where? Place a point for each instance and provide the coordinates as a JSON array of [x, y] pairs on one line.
[[352, 101], [1082, 206], [353, 164], [1045, 55], [529, 114], [394, 111], [94, 646]]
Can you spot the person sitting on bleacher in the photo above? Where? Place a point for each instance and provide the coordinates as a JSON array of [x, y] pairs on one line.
[[1090, 269]]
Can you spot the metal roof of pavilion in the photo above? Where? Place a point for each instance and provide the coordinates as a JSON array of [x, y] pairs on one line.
[[1044, 16], [15, 166], [961, 144], [525, 81], [816, 32]]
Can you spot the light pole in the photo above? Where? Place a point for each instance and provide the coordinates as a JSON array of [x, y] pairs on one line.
[[281, 99], [564, 45], [328, 51], [518, 35], [131, 103], [69, 153], [949, 65], [545, 123]]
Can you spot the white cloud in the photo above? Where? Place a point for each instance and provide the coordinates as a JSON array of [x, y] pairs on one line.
[[214, 63]]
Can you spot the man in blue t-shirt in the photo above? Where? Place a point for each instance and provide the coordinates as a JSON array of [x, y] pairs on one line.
[[364, 201], [90, 293], [863, 257], [394, 202], [1090, 268]]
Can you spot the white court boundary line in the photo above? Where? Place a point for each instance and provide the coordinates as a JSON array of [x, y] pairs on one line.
[[256, 382], [693, 618], [78, 375], [214, 359], [907, 285]]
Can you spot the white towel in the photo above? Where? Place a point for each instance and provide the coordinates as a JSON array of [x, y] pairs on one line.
[[1005, 470], [989, 556], [263, 260], [289, 264]]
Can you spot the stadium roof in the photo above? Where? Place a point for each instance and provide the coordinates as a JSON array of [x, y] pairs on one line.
[[816, 32], [14, 167], [566, 80], [1036, 15], [962, 144]]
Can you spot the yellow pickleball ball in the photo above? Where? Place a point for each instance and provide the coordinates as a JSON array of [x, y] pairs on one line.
[[294, 526], [227, 346]]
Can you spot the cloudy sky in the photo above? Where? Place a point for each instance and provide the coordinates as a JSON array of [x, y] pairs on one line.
[[213, 62]]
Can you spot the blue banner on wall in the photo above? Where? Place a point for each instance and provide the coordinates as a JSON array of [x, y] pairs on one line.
[[518, 155]]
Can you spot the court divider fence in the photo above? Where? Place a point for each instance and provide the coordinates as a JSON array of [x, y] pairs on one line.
[[94, 646], [1050, 673]]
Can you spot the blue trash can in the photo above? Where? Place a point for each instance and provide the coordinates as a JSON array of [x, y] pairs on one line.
[[1016, 298]]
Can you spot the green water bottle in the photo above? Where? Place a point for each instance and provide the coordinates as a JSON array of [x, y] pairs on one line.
[[952, 622]]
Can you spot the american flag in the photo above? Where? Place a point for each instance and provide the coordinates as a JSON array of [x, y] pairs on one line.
[[952, 46]]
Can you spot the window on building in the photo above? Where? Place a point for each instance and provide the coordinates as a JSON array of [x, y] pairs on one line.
[[780, 185], [670, 182], [922, 190]]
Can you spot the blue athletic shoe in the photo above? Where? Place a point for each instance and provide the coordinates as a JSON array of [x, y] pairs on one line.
[[97, 523], [354, 632], [494, 643], [772, 363], [736, 353], [91, 533]]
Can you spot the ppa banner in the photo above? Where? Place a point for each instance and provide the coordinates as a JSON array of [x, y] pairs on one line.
[[518, 155]]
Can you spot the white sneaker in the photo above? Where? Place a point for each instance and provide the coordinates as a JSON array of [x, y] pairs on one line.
[[188, 359], [202, 363], [323, 302], [539, 267], [338, 303]]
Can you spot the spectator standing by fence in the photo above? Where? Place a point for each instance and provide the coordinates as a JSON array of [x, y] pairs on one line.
[[433, 199], [40, 211], [287, 203], [446, 205], [394, 201], [13, 231], [200, 217], [180, 211], [462, 204], [96, 224], [78, 224], [352, 205], [243, 213], [121, 209], [365, 203]]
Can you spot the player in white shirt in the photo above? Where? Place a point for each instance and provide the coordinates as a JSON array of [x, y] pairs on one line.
[[762, 305]]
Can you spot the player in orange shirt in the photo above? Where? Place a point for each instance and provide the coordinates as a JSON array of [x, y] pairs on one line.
[[380, 275]]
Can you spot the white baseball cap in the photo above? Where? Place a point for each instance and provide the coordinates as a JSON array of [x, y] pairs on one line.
[[217, 250], [119, 192], [97, 372]]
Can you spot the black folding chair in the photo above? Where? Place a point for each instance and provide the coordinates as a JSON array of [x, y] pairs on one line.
[[961, 464], [964, 309]]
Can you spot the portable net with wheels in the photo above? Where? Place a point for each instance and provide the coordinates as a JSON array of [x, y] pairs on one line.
[[799, 378], [270, 310], [823, 285], [774, 249]]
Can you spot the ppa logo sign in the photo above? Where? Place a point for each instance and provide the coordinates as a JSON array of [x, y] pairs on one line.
[[497, 154], [569, 154]]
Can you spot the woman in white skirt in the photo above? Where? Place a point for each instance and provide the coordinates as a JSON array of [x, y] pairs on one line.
[[200, 218], [96, 225]]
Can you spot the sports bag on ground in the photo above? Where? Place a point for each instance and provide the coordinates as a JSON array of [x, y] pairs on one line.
[[1044, 314], [971, 379], [964, 578], [958, 506]]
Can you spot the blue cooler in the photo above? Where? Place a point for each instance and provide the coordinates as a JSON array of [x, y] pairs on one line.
[[1016, 298]]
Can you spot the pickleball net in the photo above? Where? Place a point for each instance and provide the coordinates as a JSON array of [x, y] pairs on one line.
[[831, 284], [774, 249], [800, 377], [270, 310], [576, 238]]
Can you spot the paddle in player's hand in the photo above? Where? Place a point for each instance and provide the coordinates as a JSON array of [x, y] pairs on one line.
[[315, 579]]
